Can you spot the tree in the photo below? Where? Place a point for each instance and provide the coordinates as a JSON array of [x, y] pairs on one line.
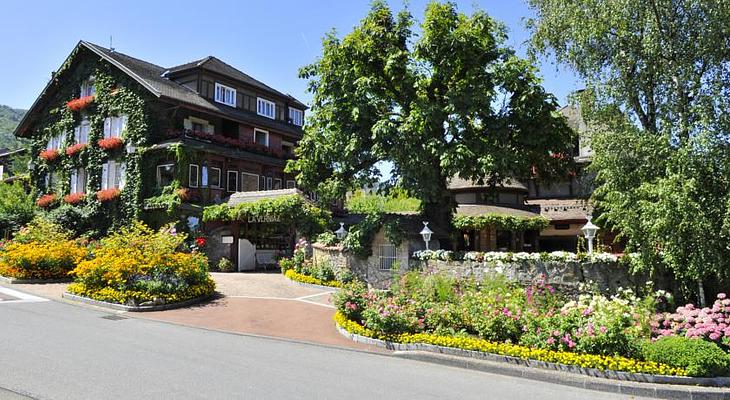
[[657, 74], [17, 207], [452, 100]]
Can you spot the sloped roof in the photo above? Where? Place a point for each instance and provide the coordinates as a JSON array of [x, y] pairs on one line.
[[563, 209], [250, 197], [475, 210], [152, 77], [457, 183]]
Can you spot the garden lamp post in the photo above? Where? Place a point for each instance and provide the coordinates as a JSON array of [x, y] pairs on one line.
[[342, 232], [589, 231], [426, 233]]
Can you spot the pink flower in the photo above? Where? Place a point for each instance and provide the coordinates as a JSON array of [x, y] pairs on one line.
[[715, 336], [603, 329], [551, 340], [721, 296]]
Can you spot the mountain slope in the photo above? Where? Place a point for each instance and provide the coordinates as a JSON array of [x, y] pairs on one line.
[[9, 119]]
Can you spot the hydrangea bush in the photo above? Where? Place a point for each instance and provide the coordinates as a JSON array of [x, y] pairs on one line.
[[709, 323]]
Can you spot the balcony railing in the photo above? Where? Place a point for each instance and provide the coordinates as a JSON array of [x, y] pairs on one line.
[[240, 144]]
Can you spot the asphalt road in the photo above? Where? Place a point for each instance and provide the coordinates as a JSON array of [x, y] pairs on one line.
[[52, 350]]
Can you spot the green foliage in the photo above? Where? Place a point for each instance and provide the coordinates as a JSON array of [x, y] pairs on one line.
[[399, 201], [17, 207], [225, 265], [168, 200], [499, 221], [658, 111], [452, 100], [327, 238], [80, 221], [9, 119], [42, 230], [291, 209], [698, 357], [350, 300]]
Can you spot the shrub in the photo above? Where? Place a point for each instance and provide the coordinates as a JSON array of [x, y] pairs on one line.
[[327, 238], [709, 323], [390, 315], [17, 207], [697, 356], [350, 300], [137, 264], [295, 276], [225, 265]]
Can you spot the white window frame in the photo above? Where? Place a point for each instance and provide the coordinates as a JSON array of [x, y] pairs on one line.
[[386, 261], [159, 175], [269, 183], [220, 177], [225, 95], [280, 183], [114, 126], [75, 181], [197, 175], [113, 175], [299, 121], [87, 88], [258, 182], [262, 106], [290, 184], [228, 186], [257, 130]]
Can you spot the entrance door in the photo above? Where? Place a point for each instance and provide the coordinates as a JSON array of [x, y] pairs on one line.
[[246, 255]]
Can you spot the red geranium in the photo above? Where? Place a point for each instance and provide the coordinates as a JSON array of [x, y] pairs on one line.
[[80, 103], [184, 194], [50, 155], [75, 149], [74, 198], [110, 143], [200, 241], [46, 200], [108, 194]]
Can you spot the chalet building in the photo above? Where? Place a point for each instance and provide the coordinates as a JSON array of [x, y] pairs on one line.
[[121, 138], [563, 203]]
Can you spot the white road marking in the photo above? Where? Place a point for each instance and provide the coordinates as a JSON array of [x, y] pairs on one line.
[[313, 295], [22, 297], [282, 298]]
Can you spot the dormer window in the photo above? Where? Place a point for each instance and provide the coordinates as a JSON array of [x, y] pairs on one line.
[[225, 95], [296, 116], [265, 108], [87, 88]]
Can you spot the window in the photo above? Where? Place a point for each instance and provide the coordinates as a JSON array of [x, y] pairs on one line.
[[266, 108], [55, 142], [225, 95], [296, 116], [214, 177], [388, 256], [269, 183], [81, 132], [277, 184], [194, 176], [87, 88], [113, 175], [287, 148], [204, 175], [249, 182], [78, 180], [262, 182], [197, 127], [562, 227], [261, 137], [114, 126], [291, 184], [232, 181], [165, 175]]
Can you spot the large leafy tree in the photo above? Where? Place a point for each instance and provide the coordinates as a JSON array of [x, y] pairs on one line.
[[450, 100], [657, 74]]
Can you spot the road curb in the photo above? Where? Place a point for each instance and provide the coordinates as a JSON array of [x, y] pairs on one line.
[[122, 307], [20, 281], [612, 381]]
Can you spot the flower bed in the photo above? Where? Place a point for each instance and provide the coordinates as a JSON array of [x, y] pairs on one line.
[[137, 265], [299, 268], [537, 322], [40, 251], [295, 276], [509, 257]]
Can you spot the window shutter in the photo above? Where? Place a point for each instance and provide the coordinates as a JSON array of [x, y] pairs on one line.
[[74, 181], [105, 176], [107, 127], [121, 175]]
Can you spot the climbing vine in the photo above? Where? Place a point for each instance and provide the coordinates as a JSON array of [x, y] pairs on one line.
[[499, 221], [115, 95]]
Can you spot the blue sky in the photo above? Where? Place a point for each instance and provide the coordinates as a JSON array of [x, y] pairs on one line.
[[269, 40]]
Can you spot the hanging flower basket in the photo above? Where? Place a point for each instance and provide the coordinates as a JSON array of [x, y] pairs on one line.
[[108, 195], [50, 155], [110, 143], [75, 149], [74, 198], [80, 103], [46, 200], [184, 194]]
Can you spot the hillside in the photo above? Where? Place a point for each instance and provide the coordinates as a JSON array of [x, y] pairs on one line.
[[9, 119]]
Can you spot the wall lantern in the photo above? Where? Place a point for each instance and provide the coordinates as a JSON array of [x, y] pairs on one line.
[[589, 231], [342, 232], [426, 233]]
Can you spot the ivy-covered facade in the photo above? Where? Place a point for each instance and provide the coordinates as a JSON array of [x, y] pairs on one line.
[[115, 138]]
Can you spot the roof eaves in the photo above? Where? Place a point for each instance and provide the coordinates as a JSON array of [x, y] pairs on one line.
[[122, 67]]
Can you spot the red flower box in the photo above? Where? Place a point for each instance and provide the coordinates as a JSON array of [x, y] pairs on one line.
[[108, 194], [74, 198], [110, 143], [50, 155], [46, 200], [75, 149], [80, 103]]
